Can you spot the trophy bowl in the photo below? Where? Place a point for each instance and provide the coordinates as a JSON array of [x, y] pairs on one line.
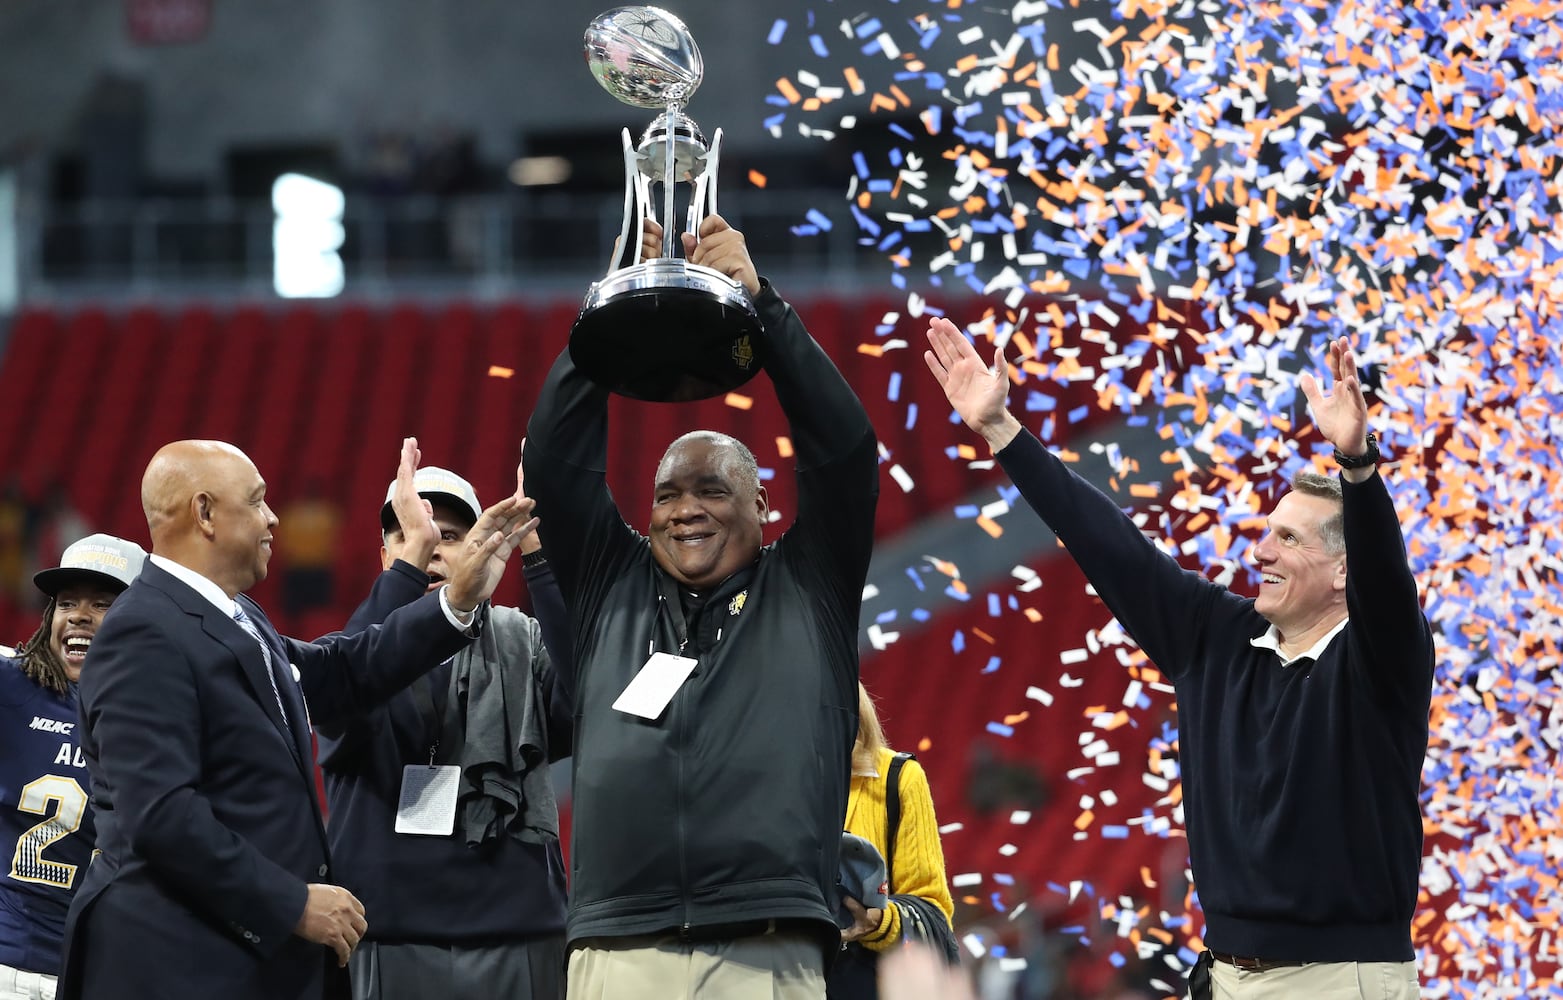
[[666, 331], [660, 328]]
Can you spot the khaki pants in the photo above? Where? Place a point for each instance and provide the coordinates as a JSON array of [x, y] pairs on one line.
[[1317, 981], [783, 965]]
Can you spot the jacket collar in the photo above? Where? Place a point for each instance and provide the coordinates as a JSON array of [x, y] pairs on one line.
[[183, 586], [198, 583]]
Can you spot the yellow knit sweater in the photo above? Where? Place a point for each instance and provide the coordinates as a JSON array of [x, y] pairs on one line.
[[919, 859]]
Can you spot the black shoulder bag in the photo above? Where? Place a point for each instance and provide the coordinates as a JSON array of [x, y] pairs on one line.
[[854, 974], [921, 920]]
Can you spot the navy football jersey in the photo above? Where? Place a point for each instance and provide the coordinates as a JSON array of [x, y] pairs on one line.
[[46, 830]]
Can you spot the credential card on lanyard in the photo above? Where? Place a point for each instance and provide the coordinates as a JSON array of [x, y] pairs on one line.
[[428, 801], [658, 681]]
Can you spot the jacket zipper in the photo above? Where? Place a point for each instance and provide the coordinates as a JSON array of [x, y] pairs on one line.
[[683, 843]]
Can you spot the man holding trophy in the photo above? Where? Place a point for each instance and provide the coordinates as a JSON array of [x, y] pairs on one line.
[[716, 678]]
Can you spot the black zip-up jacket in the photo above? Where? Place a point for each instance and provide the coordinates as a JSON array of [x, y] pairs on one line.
[[729, 807]]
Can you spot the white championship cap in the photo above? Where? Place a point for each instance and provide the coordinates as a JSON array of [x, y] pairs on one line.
[[96, 558], [435, 485]]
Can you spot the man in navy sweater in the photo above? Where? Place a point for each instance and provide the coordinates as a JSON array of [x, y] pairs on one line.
[[1302, 714], [468, 899]]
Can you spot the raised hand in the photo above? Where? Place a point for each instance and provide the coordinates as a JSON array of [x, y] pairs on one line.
[[477, 568], [414, 515], [719, 247], [974, 389], [1341, 413], [531, 541], [722, 248], [333, 917], [650, 241]]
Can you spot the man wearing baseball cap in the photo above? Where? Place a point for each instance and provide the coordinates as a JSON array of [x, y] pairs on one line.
[[45, 823], [468, 891]]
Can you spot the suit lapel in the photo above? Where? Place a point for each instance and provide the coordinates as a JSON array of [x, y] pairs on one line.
[[293, 698], [252, 663], [227, 632], [297, 730]]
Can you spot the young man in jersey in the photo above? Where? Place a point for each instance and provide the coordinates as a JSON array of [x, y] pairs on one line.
[[45, 825]]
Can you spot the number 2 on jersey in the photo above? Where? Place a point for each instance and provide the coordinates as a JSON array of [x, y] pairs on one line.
[[70, 802]]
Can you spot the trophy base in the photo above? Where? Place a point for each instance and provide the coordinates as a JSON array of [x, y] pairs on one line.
[[666, 331]]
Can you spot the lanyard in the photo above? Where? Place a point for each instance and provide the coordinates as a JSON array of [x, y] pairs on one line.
[[430, 693], [667, 593]]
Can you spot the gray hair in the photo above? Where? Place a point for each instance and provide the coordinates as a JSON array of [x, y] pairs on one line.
[[1332, 530], [746, 466]]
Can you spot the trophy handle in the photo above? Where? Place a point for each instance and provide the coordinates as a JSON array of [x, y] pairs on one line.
[[642, 200], [713, 157], [669, 177], [630, 192], [702, 201]]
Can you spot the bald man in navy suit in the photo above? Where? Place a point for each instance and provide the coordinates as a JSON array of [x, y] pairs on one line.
[[214, 878]]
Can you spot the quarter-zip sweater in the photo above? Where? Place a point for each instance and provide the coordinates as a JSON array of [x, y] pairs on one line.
[[423, 889], [728, 807], [1299, 781]]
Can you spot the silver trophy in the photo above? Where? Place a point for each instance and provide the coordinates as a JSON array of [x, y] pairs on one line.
[[662, 328]]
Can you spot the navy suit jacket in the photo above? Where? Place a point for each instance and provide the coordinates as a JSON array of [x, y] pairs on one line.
[[208, 823]]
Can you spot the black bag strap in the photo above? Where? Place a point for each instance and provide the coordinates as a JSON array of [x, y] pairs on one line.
[[893, 810]]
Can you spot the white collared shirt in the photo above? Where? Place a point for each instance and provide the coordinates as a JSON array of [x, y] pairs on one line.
[[1271, 640], [200, 584]]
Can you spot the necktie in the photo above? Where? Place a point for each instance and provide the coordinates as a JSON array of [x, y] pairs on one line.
[[249, 626]]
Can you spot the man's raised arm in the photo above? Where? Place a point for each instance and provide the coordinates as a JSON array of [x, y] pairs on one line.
[[837, 460], [565, 461]]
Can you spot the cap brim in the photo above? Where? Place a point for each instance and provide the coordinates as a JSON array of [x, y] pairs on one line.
[[388, 520], [52, 581]]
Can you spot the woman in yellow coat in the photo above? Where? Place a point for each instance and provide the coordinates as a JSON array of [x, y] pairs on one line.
[[916, 863]]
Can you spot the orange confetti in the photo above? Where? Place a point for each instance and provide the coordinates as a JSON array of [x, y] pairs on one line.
[[784, 447], [756, 178], [500, 372], [739, 402]]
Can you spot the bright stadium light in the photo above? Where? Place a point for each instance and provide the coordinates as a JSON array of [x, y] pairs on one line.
[[306, 237], [10, 260]]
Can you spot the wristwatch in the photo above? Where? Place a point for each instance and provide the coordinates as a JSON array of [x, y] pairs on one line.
[[1362, 461]]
